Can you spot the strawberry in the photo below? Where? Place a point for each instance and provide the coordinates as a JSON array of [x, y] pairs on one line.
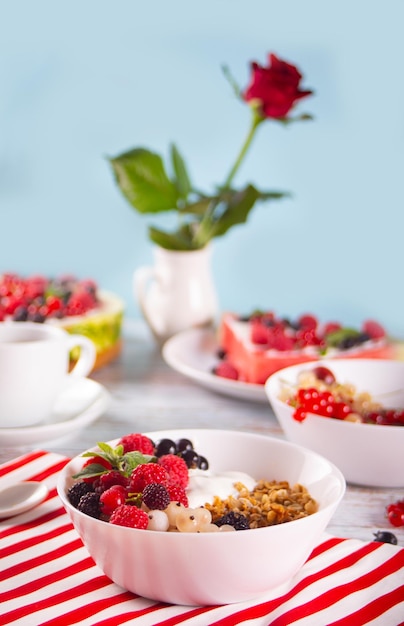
[[176, 468], [128, 515]]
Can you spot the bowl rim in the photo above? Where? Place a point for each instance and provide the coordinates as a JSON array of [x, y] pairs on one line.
[[334, 471]]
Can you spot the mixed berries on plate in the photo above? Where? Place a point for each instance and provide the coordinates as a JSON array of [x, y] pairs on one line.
[[142, 484], [264, 331], [38, 299], [318, 391]]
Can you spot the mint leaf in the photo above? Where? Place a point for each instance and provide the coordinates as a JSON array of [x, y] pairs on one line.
[[141, 177], [130, 460], [91, 471]]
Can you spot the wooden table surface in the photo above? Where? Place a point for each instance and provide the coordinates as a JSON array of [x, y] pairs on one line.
[[147, 395]]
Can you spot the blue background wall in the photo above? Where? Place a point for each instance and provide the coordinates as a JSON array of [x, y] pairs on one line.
[[80, 81]]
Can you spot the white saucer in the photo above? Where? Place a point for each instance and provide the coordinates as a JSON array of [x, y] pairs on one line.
[[80, 404], [193, 353]]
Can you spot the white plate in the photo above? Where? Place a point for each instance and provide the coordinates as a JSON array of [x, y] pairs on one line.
[[194, 354], [80, 404]]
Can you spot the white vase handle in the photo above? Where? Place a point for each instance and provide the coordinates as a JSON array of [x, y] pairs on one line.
[[141, 279]]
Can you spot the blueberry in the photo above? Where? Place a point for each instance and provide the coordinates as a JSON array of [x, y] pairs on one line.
[[184, 444], [202, 463], [190, 457], [237, 520], [385, 537], [165, 446]]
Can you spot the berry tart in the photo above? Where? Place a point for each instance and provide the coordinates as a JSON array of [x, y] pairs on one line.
[[76, 305], [255, 346]]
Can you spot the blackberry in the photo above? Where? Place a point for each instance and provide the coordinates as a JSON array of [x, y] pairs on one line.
[[76, 491], [237, 520], [156, 496], [90, 504], [385, 537]]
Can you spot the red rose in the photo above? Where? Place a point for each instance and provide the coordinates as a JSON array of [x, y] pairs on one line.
[[275, 88]]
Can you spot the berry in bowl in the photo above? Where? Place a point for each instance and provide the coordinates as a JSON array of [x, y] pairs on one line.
[[200, 517], [253, 347], [349, 410]]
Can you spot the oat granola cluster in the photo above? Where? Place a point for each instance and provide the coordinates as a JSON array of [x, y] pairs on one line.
[[269, 503]]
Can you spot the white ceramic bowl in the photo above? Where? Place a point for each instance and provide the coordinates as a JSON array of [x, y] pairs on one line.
[[367, 454], [216, 568]]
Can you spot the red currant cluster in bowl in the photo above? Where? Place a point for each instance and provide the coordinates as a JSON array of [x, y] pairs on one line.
[[37, 298], [328, 398]]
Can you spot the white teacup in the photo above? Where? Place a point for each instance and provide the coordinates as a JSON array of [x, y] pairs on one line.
[[34, 368]]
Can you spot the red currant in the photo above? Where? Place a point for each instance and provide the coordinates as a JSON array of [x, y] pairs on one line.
[[395, 513], [323, 373], [112, 498]]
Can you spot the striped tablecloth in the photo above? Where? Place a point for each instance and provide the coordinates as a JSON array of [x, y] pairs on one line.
[[48, 578]]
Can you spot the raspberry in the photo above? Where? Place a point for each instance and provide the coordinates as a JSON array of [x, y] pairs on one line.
[[178, 494], [156, 496], [331, 327], [226, 370], [307, 321], [137, 442], [79, 303], [148, 473], [108, 480], [76, 491], [176, 468], [373, 329], [90, 504], [128, 515], [237, 520]]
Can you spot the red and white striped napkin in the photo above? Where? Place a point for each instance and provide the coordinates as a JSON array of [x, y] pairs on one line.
[[48, 578]]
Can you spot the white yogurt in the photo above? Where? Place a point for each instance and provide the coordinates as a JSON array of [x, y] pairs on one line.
[[204, 485]]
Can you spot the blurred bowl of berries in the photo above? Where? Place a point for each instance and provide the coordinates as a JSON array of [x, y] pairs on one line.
[[349, 410], [200, 517]]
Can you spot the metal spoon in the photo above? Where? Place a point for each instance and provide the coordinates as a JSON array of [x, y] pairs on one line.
[[21, 497]]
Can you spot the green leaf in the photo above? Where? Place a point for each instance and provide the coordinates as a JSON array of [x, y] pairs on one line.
[[200, 207], [130, 460], [182, 239], [336, 337], [141, 177], [91, 471], [237, 207], [182, 180]]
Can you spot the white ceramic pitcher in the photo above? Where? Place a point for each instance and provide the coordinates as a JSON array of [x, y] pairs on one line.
[[178, 292]]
